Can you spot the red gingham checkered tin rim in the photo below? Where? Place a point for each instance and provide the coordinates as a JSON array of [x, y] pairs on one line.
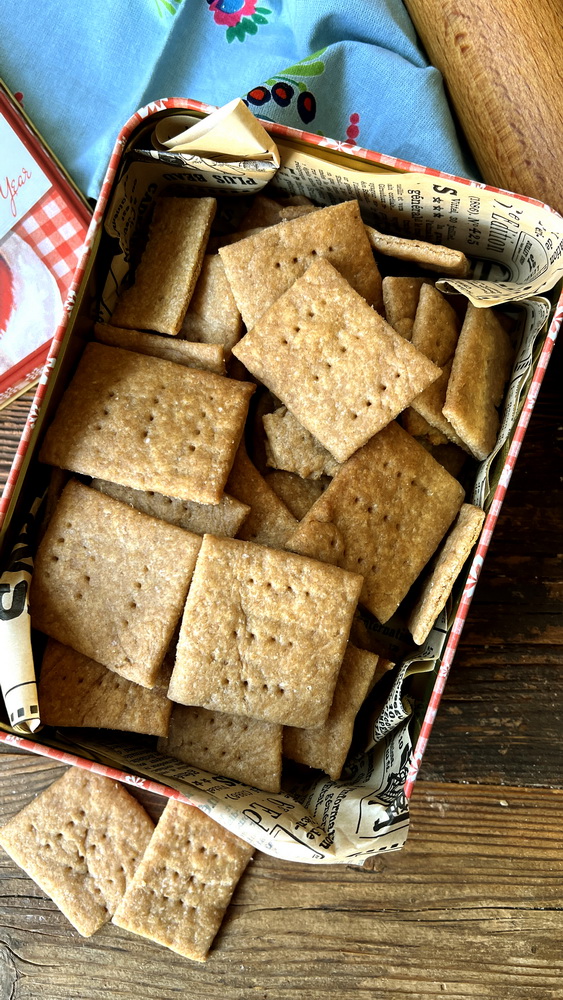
[[354, 152]]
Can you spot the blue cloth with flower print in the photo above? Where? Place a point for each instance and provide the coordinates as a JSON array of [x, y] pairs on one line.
[[353, 72]]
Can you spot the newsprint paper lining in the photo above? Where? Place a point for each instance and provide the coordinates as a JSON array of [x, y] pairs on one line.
[[520, 251]]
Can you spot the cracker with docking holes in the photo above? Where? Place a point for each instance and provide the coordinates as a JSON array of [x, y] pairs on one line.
[[383, 515], [223, 518], [208, 357], [166, 275], [263, 634], [233, 745], [149, 424], [184, 883], [262, 267], [75, 690], [333, 361], [326, 747], [437, 588], [111, 582], [81, 841]]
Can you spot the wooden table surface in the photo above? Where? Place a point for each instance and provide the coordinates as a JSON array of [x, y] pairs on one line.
[[472, 907]]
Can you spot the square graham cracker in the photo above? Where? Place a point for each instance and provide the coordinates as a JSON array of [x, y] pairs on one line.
[[166, 275], [213, 316], [333, 361], [437, 588], [383, 515], [223, 518], [327, 746], [262, 267], [233, 745], [263, 634], [185, 882], [436, 326], [75, 690], [208, 357], [111, 582], [480, 369], [149, 424], [81, 841]]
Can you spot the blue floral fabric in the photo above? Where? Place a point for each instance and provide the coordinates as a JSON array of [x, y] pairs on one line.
[[353, 72]]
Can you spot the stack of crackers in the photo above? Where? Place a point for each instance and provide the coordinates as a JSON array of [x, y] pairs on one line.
[[262, 439]]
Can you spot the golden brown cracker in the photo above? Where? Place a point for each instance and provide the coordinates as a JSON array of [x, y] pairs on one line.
[[263, 633], [290, 447], [383, 515], [184, 883], [212, 316], [262, 267], [81, 841], [327, 746], [149, 424], [333, 361], [452, 263], [111, 582], [436, 326], [223, 518], [75, 690], [245, 749], [437, 588], [400, 298], [269, 521], [208, 357], [480, 369], [296, 493], [168, 270]]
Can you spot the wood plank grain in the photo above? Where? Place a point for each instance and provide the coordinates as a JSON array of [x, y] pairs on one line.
[[503, 66], [471, 907]]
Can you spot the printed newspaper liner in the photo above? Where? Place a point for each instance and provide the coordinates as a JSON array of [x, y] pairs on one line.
[[519, 242]]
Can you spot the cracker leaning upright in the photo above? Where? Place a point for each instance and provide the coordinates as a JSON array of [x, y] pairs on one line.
[[169, 268]]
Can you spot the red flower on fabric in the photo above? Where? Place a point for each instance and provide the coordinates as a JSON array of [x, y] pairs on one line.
[[231, 11]]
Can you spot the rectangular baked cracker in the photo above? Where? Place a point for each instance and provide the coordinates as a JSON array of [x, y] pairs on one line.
[[452, 263], [169, 268], [185, 882], [430, 406], [149, 424], [208, 357], [333, 361], [436, 326], [269, 521], [223, 518], [383, 515], [96, 574], [289, 446], [261, 268], [263, 634], [327, 746], [296, 493], [232, 745], [437, 588], [75, 690], [81, 841], [480, 369], [400, 298], [212, 316]]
